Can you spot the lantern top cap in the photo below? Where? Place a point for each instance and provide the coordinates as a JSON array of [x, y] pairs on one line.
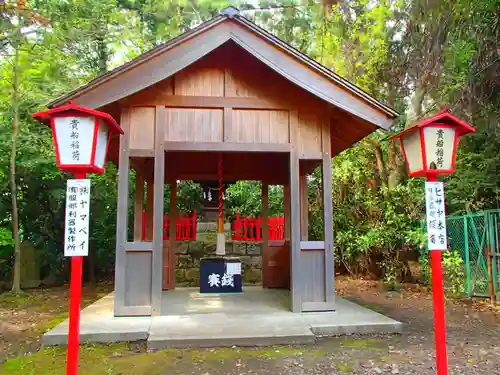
[[44, 116], [443, 117]]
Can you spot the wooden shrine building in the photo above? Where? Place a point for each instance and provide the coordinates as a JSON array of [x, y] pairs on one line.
[[275, 114]]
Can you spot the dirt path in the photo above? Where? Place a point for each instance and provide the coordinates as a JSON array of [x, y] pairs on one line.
[[23, 319]]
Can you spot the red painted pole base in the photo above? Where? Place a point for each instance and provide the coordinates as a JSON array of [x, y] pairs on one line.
[[439, 313], [74, 315]]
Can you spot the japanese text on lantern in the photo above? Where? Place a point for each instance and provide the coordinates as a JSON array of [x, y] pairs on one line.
[[75, 139], [76, 232], [436, 217], [440, 148]]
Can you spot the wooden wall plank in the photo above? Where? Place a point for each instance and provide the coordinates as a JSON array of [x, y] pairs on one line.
[[194, 125], [259, 126], [138, 278], [309, 132], [142, 121], [228, 123], [203, 81]]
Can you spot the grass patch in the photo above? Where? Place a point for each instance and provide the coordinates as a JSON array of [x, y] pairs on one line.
[[121, 359], [9, 301], [343, 367], [361, 343], [51, 323], [374, 307]]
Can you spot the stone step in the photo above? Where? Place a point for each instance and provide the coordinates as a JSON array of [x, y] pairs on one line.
[[226, 331]]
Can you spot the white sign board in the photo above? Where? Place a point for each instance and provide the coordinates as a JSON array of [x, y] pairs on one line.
[[74, 136], [436, 217], [233, 268], [76, 232]]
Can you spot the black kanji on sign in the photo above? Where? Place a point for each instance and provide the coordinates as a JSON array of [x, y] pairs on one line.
[[74, 124], [83, 190], [432, 238], [72, 197]]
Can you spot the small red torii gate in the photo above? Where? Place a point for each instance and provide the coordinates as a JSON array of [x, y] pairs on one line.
[[250, 228], [185, 227]]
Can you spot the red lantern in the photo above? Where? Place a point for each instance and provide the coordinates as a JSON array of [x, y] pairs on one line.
[[81, 136], [430, 147]]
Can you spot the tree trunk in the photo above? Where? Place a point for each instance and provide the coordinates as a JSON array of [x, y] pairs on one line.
[[382, 173], [16, 283], [102, 51]]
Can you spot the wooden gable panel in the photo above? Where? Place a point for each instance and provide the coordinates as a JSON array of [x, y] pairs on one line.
[[200, 81], [309, 132], [259, 126], [142, 125], [193, 125]]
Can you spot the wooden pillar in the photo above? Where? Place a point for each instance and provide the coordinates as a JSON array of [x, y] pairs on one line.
[[149, 210], [138, 206], [159, 182], [265, 216], [122, 215], [286, 210], [295, 287], [169, 258], [328, 215], [304, 208]]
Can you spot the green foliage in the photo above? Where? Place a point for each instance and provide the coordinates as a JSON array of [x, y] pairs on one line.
[[454, 273]]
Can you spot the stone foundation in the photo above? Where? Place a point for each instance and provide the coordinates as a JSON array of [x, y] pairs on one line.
[[189, 253]]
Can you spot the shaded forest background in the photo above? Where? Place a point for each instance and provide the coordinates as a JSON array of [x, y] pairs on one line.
[[417, 55]]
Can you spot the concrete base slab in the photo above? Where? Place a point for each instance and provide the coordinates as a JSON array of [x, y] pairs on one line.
[[257, 317], [98, 325]]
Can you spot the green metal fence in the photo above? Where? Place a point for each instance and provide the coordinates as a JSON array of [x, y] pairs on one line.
[[472, 235]]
